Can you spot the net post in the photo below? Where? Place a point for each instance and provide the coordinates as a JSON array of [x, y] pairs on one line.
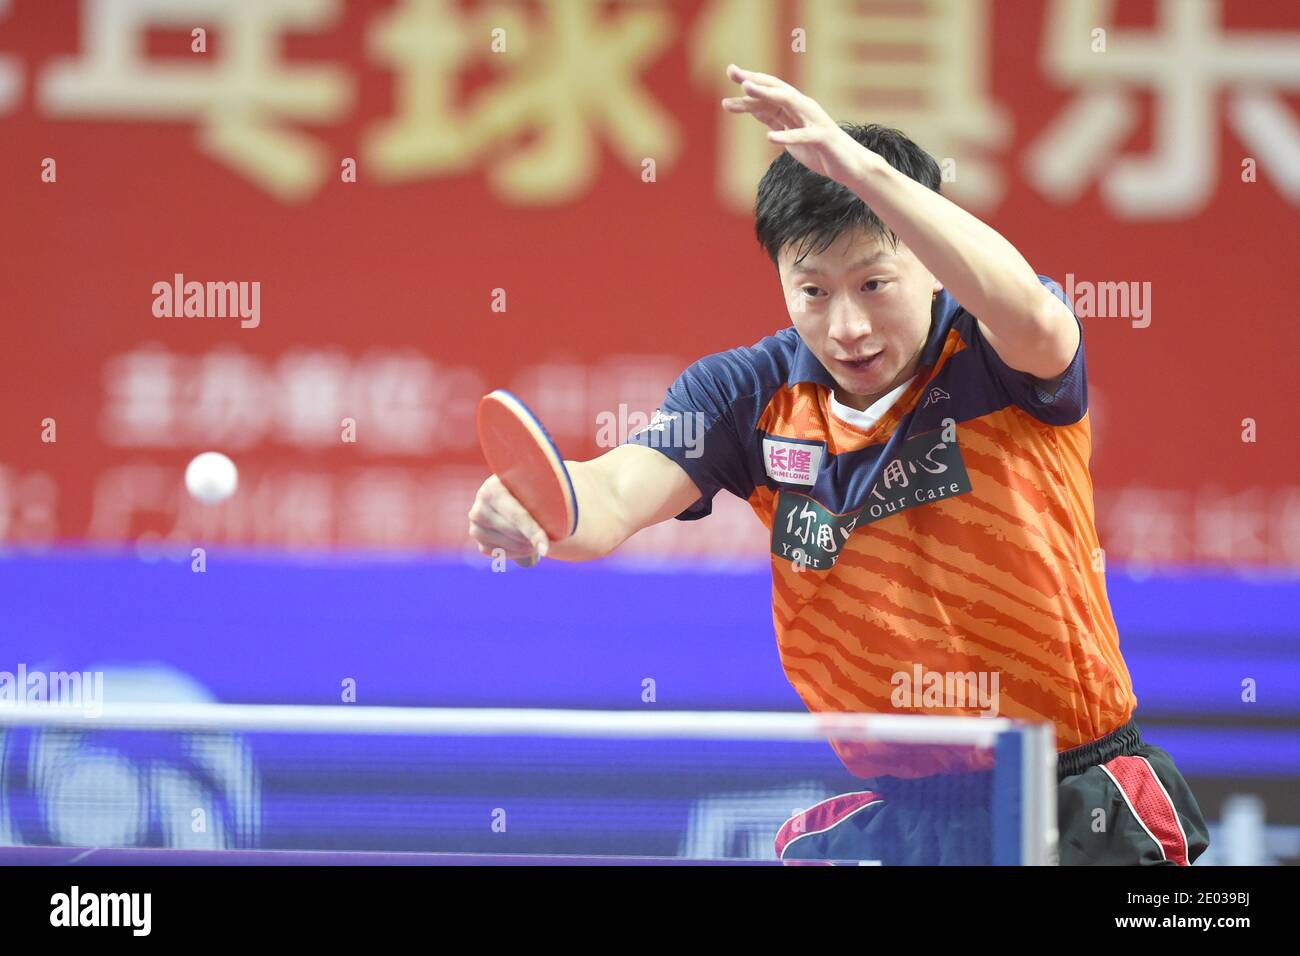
[[1024, 796]]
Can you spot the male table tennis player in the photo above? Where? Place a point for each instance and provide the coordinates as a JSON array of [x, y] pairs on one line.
[[917, 443]]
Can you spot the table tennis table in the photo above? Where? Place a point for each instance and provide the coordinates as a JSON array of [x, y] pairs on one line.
[[151, 856]]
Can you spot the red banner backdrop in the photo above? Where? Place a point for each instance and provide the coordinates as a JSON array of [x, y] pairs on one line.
[[391, 207]]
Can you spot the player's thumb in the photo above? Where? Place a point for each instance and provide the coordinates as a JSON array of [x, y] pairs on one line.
[[794, 137]]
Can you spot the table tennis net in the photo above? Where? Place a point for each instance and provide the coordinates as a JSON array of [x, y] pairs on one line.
[[664, 784]]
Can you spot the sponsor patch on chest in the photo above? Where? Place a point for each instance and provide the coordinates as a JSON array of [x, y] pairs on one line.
[[792, 462], [924, 470]]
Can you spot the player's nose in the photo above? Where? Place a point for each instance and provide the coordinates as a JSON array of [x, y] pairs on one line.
[[849, 322]]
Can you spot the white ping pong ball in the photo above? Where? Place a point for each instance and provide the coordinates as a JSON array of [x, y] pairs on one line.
[[211, 477]]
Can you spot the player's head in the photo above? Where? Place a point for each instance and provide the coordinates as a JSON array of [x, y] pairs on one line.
[[818, 234]]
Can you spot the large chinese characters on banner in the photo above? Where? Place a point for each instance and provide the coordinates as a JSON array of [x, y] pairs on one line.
[[310, 234]]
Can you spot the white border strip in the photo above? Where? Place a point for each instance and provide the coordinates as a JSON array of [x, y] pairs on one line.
[[1039, 833], [435, 721]]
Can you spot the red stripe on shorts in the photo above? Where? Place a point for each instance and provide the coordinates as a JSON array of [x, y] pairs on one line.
[[821, 817], [1147, 798]]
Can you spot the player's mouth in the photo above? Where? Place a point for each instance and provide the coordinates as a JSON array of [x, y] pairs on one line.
[[862, 364]]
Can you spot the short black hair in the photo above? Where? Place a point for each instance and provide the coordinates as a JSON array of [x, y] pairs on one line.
[[796, 205]]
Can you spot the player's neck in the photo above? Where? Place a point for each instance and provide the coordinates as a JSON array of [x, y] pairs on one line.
[[858, 402]]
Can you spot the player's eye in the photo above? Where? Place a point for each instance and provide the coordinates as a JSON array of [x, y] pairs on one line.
[[808, 290], [876, 282]]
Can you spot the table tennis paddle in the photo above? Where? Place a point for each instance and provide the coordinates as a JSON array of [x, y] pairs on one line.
[[522, 455]]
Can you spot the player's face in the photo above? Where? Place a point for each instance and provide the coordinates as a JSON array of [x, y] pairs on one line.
[[864, 311]]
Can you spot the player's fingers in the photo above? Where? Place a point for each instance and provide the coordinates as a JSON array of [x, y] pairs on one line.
[[778, 90], [798, 109], [770, 113], [766, 79], [493, 536], [786, 98], [502, 507], [521, 521], [788, 109], [763, 112], [491, 527], [525, 556], [741, 104], [487, 522], [795, 137]]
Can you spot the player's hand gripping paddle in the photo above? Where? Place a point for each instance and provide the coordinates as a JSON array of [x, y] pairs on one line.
[[524, 458]]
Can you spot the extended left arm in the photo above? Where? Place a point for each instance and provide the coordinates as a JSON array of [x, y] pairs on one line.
[[1030, 329]]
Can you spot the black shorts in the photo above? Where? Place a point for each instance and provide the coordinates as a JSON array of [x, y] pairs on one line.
[[1120, 801]]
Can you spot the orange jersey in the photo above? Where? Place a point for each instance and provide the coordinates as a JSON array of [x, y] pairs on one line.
[[936, 554]]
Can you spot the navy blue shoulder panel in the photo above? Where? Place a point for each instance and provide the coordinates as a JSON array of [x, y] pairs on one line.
[[708, 419], [1063, 402]]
